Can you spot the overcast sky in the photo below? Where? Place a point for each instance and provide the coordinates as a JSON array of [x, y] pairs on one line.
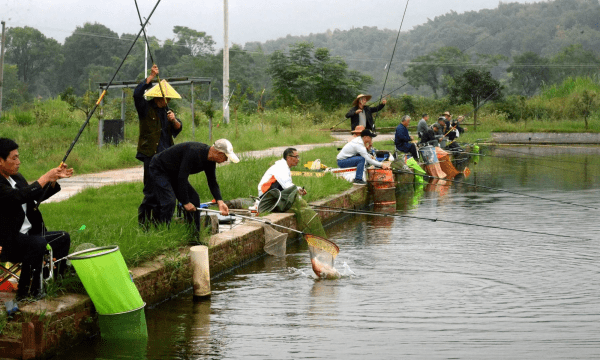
[[249, 20]]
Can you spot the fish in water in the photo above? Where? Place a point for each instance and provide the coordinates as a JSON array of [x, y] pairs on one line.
[[323, 270]]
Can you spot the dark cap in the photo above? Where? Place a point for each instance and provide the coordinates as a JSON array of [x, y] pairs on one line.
[[441, 118], [367, 132]]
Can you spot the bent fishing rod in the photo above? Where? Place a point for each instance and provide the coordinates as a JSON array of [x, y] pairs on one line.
[[389, 65], [493, 189], [87, 121], [376, 213], [150, 52]]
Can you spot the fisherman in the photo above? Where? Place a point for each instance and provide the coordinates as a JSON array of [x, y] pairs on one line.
[[356, 132], [447, 117], [279, 175], [360, 114], [158, 127], [456, 129], [430, 137], [439, 130], [422, 125], [403, 140], [23, 236], [171, 168], [355, 153]]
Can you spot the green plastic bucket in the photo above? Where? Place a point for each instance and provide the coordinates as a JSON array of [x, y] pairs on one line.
[[130, 325], [106, 279]]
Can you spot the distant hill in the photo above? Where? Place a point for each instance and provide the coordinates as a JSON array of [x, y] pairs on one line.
[[509, 30]]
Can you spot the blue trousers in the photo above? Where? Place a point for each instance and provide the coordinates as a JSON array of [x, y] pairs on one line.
[[357, 161]]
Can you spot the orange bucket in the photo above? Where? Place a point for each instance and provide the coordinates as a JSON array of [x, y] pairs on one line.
[[380, 178]]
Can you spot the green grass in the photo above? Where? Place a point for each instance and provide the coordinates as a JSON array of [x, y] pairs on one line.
[[110, 213]]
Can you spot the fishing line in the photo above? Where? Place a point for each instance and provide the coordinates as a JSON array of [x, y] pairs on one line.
[[389, 65], [375, 213], [548, 157], [494, 189]]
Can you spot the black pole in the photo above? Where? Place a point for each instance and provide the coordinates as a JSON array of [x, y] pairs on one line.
[[150, 52], [106, 89]]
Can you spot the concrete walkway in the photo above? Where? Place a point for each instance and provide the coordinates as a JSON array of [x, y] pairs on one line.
[[75, 184]]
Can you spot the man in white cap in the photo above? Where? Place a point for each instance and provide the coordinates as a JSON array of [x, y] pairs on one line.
[[170, 171], [158, 127], [361, 115]]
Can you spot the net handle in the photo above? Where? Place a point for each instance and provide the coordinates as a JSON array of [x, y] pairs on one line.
[[253, 219]]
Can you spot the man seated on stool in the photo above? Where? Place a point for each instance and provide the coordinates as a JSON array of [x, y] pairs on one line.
[[355, 153], [403, 140], [23, 236], [279, 176]]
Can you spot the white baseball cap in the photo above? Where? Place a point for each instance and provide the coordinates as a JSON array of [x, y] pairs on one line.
[[224, 146]]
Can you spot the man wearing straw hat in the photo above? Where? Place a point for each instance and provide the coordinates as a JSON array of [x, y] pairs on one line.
[[23, 234], [170, 171], [361, 115], [158, 127]]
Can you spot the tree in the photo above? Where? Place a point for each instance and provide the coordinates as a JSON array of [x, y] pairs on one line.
[[83, 103], [584, 104], [307, 76], [32, 52], [475, 87], [196, 42], [92, 44], [431, 69], [529, 71], [574, 61]]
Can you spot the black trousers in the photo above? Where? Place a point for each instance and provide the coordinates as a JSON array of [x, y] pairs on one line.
[[148, 210], [166, 192], [30, 253], [412, 149]]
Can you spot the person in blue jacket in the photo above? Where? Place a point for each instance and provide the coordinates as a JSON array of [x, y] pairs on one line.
[[403, 140]]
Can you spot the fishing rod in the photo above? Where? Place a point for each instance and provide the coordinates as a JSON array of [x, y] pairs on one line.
[[99, 99], [493, 189], [388, 66], [150, 52], [106, 88], [376, 213]]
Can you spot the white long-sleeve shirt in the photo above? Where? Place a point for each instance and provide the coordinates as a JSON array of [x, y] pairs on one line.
[[357, 147], [280, 172]]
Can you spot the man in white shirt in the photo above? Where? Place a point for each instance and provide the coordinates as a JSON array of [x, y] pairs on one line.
[[23, 236], [354, 154], [279, 176]]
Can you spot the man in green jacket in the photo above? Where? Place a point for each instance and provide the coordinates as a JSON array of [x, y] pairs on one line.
[[158, 127]]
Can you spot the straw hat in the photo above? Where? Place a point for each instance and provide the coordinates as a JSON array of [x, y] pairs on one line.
[[446, 113], [167, 88], [355, 102], [357, 130]]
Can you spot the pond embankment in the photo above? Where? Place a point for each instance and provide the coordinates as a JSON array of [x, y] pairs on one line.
[[52, 325]]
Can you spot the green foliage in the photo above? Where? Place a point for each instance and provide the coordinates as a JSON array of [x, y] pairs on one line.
[[83, 103], [475, 87], [529, 72], [306, 76]]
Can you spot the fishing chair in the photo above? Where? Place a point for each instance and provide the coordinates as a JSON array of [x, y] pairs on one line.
[[8, 272]]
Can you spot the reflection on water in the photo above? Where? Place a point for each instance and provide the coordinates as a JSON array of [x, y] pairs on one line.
[[420, 289]]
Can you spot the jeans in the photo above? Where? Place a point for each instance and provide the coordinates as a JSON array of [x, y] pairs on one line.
[[357, 161]]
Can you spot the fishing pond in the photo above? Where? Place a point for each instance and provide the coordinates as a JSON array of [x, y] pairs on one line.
[[499, 275]]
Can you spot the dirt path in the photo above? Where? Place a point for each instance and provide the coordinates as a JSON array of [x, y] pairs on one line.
[[77, 183]]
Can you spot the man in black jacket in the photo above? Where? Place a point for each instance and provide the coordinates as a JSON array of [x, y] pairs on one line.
[[360, 114], [23, 236], [158, 127], [170, 171]]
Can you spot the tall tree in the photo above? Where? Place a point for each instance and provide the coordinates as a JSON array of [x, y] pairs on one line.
[[574, 61], [475, 87], [32, 52], [528, 72], [196, 42], [431, 69]]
